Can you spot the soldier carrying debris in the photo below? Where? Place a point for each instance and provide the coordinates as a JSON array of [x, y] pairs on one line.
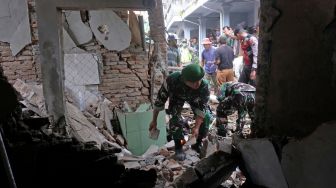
[[187, 86], [235, 96]]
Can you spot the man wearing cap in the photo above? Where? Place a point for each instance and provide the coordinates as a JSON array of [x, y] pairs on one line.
[[208, 63], [187, 86], [249, 45], [235, 96], [224, 59]]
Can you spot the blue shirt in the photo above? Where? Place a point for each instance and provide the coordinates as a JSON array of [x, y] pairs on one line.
[[209, 57]]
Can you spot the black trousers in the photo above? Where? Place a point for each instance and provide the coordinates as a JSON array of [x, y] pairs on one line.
[[245, 75]]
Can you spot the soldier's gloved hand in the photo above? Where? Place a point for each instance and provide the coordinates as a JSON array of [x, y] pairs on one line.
[[152, 125]]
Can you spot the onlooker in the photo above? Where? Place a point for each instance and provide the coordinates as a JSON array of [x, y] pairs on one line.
[[208, 62], [185, 53], [173, 54], [194, 49], [224, 59], [228, 32], [249, 46]]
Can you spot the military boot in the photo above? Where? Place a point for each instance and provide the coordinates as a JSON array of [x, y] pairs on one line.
[[179, 153]]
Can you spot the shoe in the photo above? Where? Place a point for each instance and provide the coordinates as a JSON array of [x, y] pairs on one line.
[[179, 155]]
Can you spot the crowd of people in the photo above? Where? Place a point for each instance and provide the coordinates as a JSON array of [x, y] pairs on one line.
[[230, 55], [214, 71]]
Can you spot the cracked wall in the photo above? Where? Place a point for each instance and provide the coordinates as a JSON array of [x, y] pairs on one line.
[[125, 75], [296, 91]]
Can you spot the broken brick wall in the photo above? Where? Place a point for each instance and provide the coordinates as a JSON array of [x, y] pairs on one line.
[[25, 64], [124, 76], [296, 89]]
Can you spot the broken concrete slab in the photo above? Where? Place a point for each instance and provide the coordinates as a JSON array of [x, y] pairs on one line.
[[80, 32], [310, 162], [81, 128], [262, 163], [188, 179], [69, 46], [216, 163], [15, 19], [110, 29], [33, 97]]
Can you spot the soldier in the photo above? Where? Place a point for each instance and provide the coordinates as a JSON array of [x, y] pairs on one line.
[[187, 86], [235, 96]]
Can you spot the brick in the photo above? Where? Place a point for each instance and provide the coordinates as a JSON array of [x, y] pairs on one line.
[[9, 58], [24, 58], [134, 94], [119, 67], [110, 63], [125, 71], [145, 91]]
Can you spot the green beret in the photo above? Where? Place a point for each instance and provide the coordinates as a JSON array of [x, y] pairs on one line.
[[192, 73]]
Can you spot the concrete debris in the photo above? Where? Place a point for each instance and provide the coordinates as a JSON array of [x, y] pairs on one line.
[[237, 179], [135, 30], [262, 163], [151, 151], [134, 165], [110, 29], [81, 128], [120, 140], [170, 145], [33, 97], [69, 46], [173, 165]]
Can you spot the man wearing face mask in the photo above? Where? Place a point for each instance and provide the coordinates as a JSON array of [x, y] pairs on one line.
[[187, 86]]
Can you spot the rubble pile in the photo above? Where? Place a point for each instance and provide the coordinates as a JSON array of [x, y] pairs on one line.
[[96, 127]]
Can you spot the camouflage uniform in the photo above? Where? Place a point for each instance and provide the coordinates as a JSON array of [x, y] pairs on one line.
[[235, 96], [178, 93]]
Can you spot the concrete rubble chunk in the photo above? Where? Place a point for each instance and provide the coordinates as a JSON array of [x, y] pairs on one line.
[[188, 179], [120, 140], [217, 163], [33, 97], [152, 150], [170, 145], [133, 164], [225, 144], [310, 162], [69, 46], [164, 152], [110, 30], [173, 165], [81, 128], [81, 32], [262, 163]]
